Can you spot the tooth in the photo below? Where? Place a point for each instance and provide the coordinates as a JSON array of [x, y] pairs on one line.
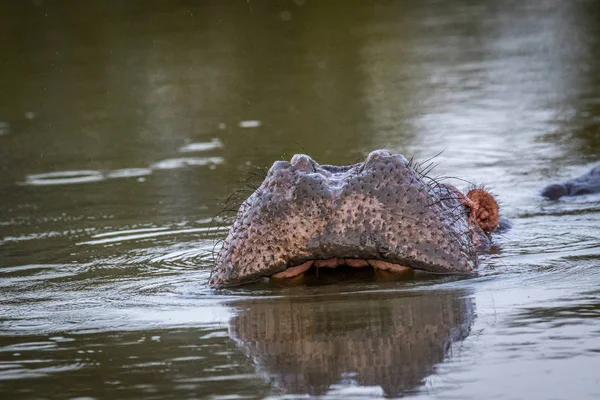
[[386, 266], [330, 263], [294, 271], [352, 262]]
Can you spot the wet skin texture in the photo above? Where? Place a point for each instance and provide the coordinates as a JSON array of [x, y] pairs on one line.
[[380, 212], [585, 184]]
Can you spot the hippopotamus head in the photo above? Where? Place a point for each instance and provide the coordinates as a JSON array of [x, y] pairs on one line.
[[381, 212]]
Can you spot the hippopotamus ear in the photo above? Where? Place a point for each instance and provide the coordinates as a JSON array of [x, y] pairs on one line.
[[484, 209]]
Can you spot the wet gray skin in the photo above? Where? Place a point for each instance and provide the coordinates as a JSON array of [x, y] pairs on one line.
[[585, 184], [380, 212]]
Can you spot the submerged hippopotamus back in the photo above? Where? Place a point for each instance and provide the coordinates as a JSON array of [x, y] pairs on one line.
[[587, 183], [380, 212]]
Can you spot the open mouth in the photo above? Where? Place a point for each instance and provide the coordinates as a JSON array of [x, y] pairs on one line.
[[335, 262]]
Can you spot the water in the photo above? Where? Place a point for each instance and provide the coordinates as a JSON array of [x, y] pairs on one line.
[[124, 127]]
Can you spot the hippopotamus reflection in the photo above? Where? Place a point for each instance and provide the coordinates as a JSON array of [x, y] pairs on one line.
[[585, 184], [391, 340], [383, 213]]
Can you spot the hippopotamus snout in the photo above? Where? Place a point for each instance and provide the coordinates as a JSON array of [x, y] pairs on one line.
[[380, 212]]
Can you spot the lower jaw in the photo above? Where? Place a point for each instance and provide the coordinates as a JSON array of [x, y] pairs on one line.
[[334, 262]]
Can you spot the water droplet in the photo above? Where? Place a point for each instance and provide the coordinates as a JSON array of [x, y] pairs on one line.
[[4, 128], [285, 15]]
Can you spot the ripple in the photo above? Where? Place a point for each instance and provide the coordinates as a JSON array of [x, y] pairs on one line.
[[87, 176], [129, 173], [28, 346], [173, 163], [63, 178], [185, 254], [151, 235], [82, 176], [201, 146], [20, 276], [29, 373], [128, 231], [31, 236], [20, 268]]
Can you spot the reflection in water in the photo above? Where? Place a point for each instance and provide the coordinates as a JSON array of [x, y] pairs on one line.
[[390, 340]]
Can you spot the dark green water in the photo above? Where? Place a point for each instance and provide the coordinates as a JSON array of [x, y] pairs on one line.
[[124, 126]]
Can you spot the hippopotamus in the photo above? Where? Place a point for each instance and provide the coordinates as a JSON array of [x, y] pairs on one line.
[[382, 213], [585, 184]]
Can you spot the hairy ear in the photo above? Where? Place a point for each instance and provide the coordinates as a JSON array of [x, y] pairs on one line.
[[484, 209]]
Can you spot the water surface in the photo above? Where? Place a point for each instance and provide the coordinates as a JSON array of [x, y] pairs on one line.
[[124, 128]]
